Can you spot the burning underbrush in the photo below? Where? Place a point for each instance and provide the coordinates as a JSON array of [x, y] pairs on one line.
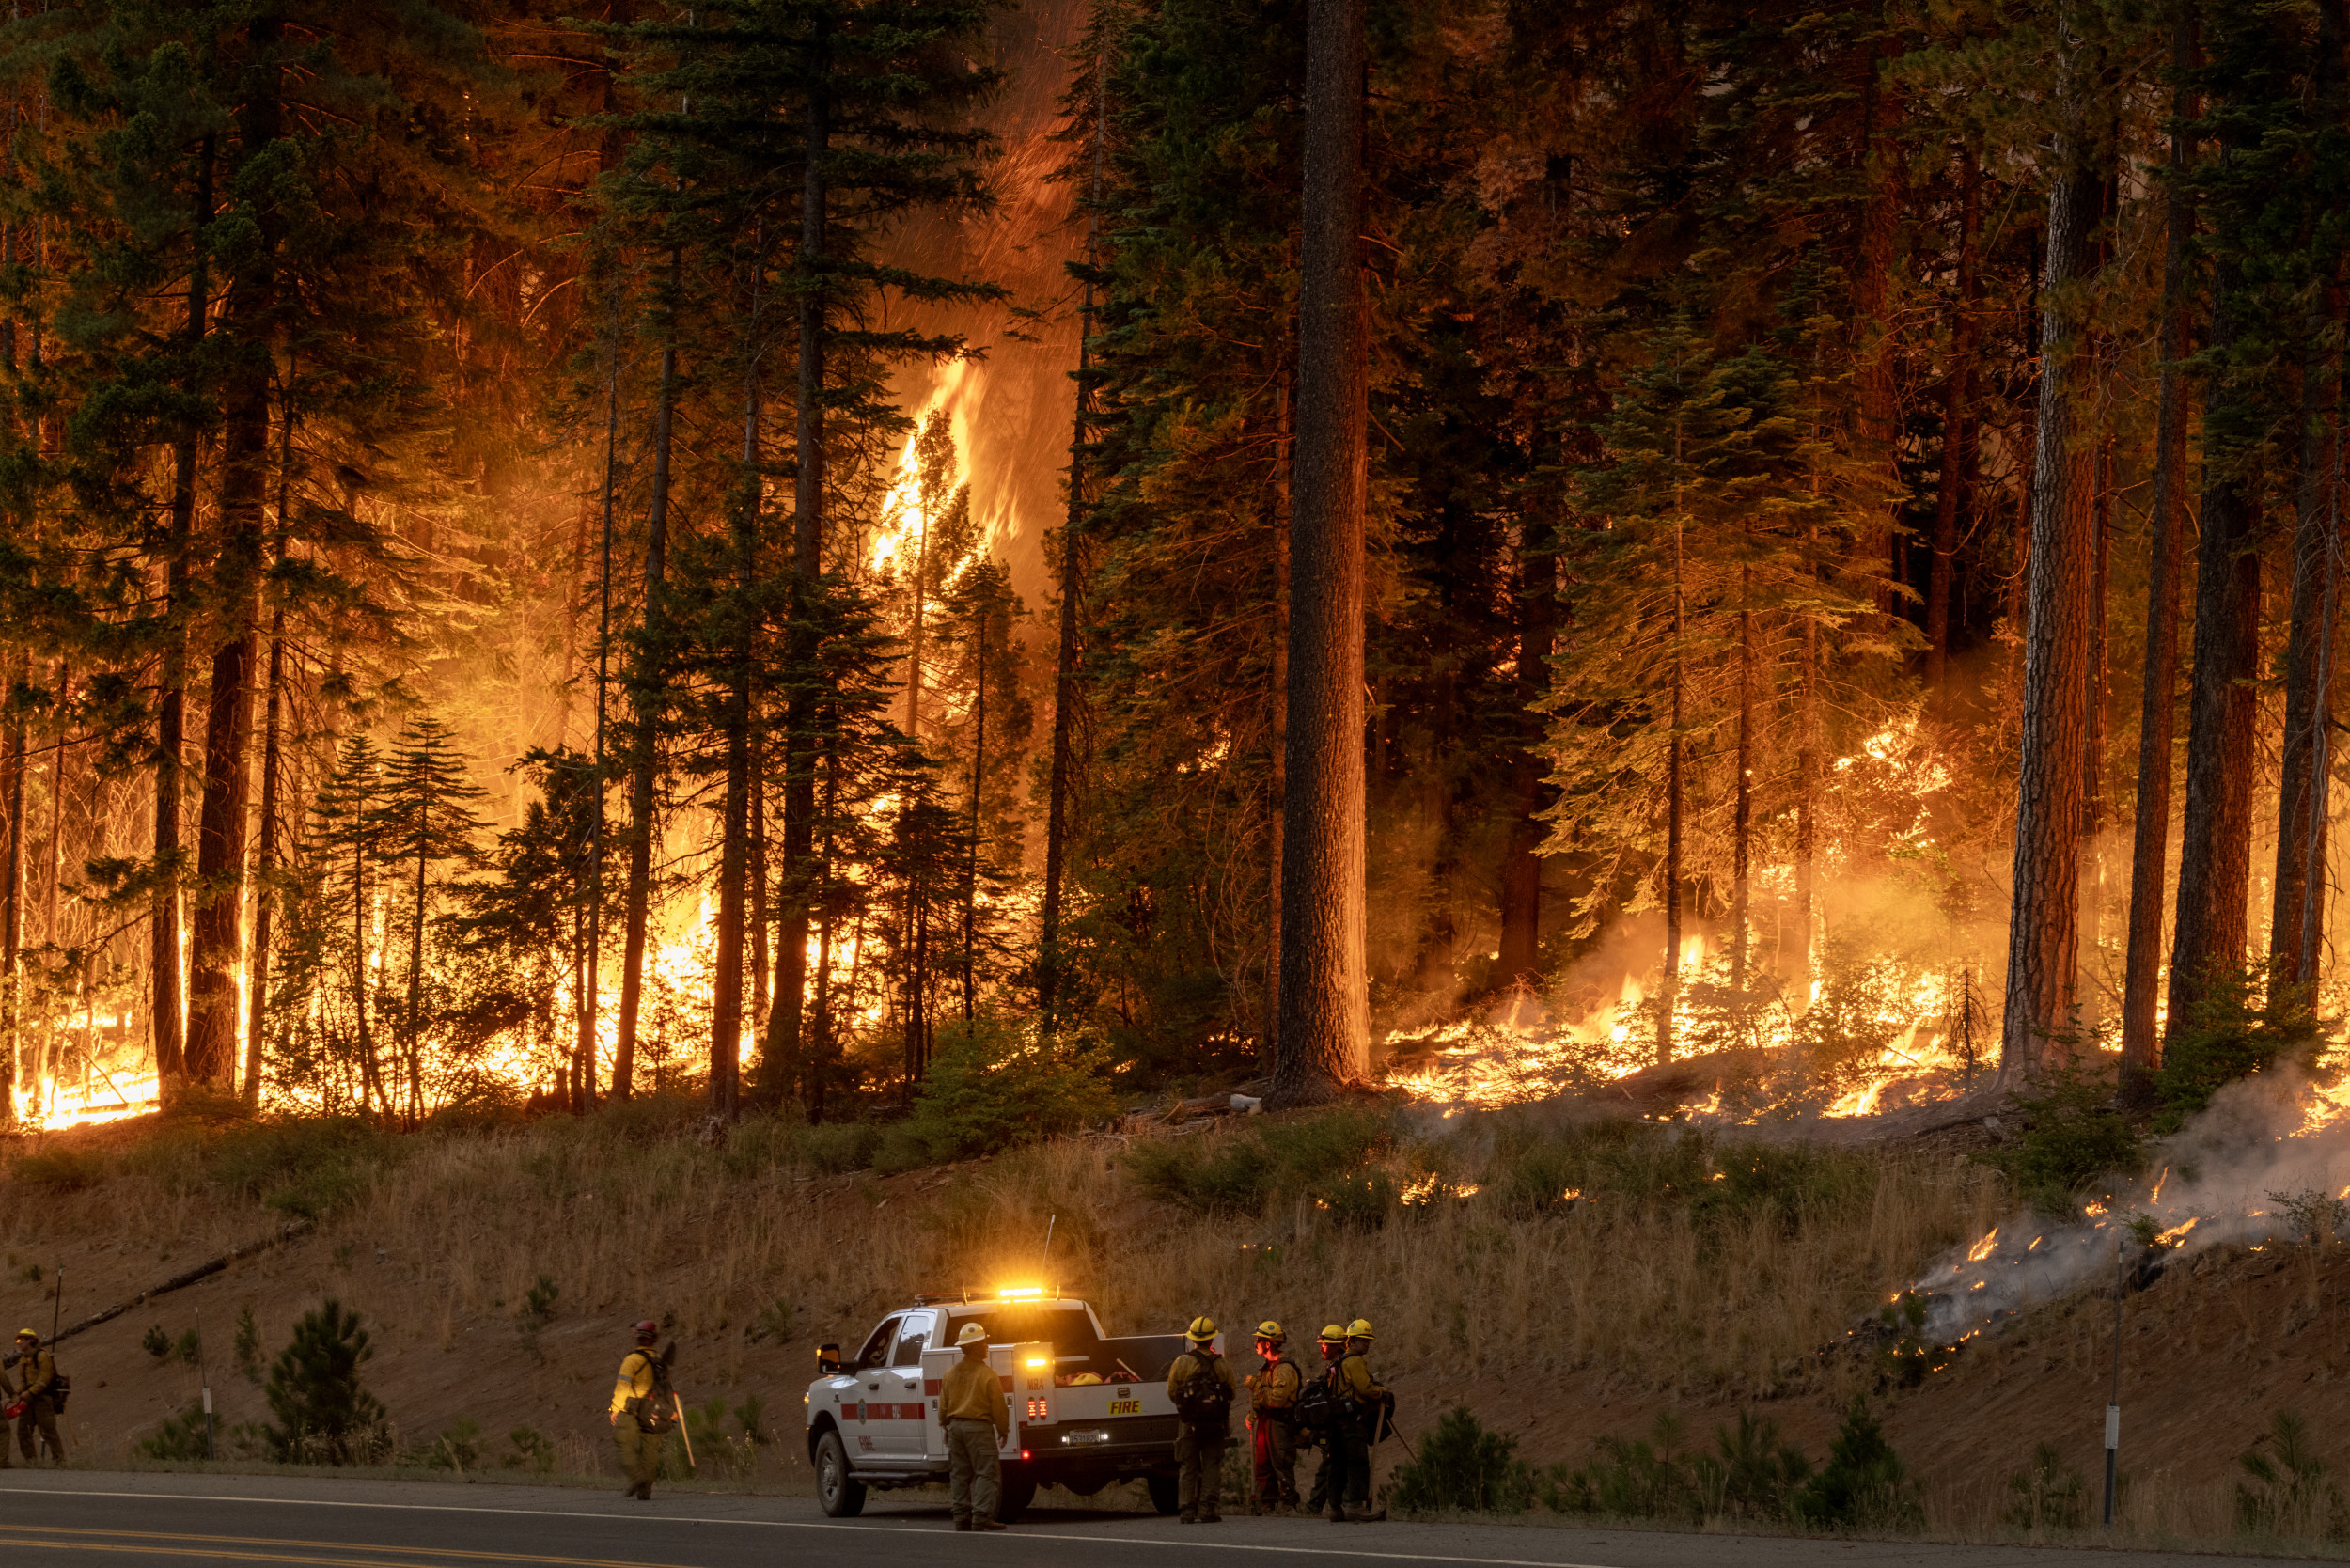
[[2266, 1163], [1880, 1032]]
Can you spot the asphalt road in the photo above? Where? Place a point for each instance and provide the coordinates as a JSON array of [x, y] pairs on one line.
[[81, 1519]]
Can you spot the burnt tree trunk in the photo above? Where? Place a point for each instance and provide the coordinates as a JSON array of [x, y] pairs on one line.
[[1668, 994], [1324, 1024], [2044, 910]]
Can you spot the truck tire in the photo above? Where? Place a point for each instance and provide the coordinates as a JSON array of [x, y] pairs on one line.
[[1163, 1493], [1016, 1493], [840, 1493]]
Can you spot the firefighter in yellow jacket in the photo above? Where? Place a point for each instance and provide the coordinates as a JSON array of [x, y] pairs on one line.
[[637, 1430], [1201, 1384], [971, 1408], [40, 1370], [1273, 1422], [1363, 1404]]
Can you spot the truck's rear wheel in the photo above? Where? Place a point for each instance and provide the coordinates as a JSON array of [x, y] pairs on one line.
[[1163, 1495], [1017, 1492], [841, 1494]]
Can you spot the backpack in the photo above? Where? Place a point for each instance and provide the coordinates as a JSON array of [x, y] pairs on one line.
[[656, 1411], [1317, 1408], [1203, 1399]]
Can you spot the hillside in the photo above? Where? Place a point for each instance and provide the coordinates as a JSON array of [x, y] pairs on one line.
[[1565, 1279]]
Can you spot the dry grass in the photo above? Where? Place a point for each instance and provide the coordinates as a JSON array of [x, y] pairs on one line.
[[1657, 1280]]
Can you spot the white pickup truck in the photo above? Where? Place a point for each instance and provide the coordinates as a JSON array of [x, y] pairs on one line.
[[1087, 1410]]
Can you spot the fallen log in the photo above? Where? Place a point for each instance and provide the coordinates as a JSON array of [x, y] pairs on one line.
[[180, 1281]]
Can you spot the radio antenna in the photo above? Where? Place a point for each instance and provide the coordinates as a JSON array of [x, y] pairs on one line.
[[1050, 1221]]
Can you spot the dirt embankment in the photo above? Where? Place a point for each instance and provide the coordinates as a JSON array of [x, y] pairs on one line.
[[752, 1259]]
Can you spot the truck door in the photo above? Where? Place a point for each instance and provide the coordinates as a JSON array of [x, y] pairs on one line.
[[868, 1409], [902, 1435]]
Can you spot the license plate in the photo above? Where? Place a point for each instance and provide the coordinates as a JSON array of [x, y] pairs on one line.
[[1085, 1438], [1125, 1408]]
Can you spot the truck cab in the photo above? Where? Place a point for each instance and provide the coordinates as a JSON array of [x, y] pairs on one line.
[[1087, 1409]]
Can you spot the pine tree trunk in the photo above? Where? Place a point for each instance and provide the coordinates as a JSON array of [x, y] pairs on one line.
[[1668, 994], [1277, 706], [1325, 1027], [2306, 708], [265, 862], [1062, 779], [2215, 848], [166, 1014], [1742, 809], [12, 896], [782, 1072], [725, 977], [971, 871], [649, 680], [1807, 810], [1879, 393], [222, 816], [1521, 852], [2151, 830], [1957, 431], [2044, 908]]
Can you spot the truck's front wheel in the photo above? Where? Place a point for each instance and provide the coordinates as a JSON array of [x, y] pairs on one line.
[[841, 1494], [1163, 1493], [1017, 1492]]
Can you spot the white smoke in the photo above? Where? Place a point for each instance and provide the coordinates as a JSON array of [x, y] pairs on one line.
[[2266, 1165]]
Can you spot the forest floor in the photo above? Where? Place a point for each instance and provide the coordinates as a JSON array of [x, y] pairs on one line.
[[1558, 1327]]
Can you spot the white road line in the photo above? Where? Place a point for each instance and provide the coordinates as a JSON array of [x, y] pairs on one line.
[[804, 1524]]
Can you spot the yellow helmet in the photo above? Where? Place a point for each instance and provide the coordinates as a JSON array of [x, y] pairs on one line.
[[1202, 1329], [1331, 1333], [1358, 1329], [1271, 1331], [973, 1334]]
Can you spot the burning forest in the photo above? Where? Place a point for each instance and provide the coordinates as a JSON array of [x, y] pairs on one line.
[[1760, 571]]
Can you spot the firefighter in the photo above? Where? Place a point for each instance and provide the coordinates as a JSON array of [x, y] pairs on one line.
[[1273, 1422], [1364, 1406], [39, 1396], [972, 1410], [1328, 1482], [1201, 1384], [638, 1427]]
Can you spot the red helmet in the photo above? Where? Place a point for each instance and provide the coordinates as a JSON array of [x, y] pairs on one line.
[[649, 1330]]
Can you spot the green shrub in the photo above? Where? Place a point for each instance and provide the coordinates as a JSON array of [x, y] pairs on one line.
[[529, 1450], [2046, 1494], [1721, 1182], [1863, 1484], [248, 1346], [156, 1342], [2286, 1491], [60, 1170], [324, 1415], [538, 1301], [2231, 1033], [1317, 1156], [458, 1448], [1751, 1474], [180, 1438], [1632, 1478], [2074, 1138], [993, 1087], [1463, 1467], [836, 1148]]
